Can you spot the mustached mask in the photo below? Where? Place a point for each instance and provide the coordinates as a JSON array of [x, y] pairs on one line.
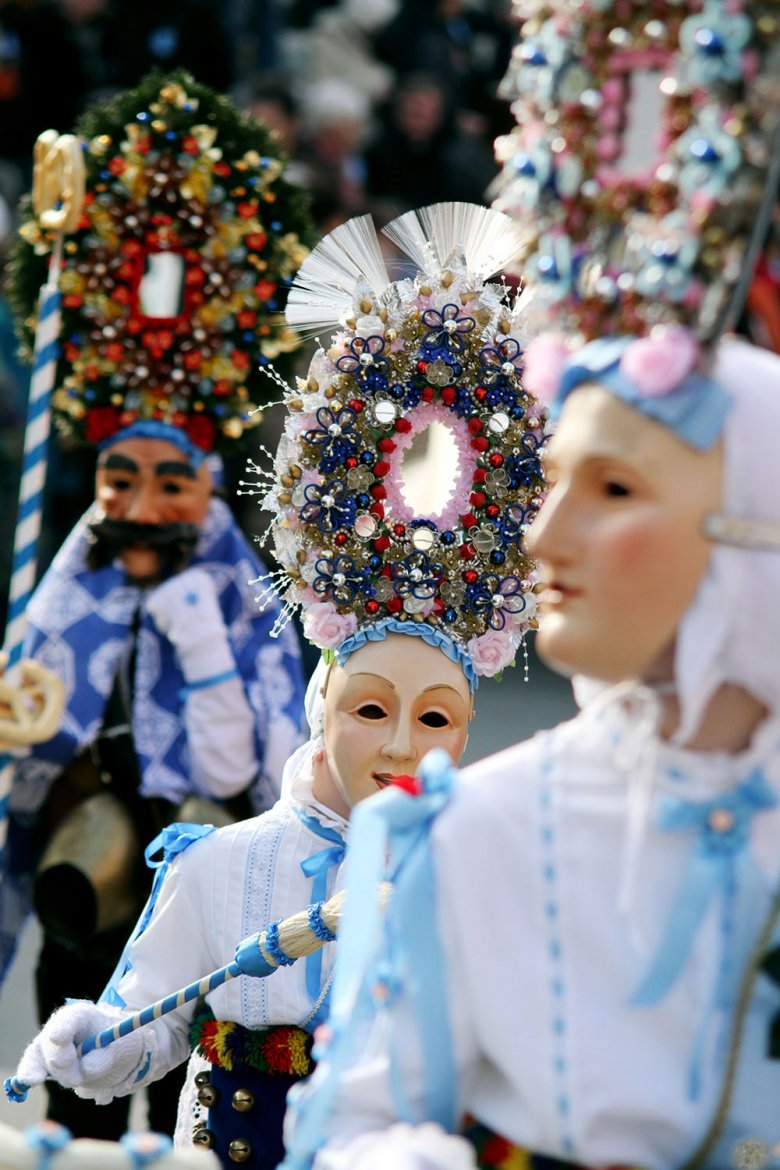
[[174, 542]]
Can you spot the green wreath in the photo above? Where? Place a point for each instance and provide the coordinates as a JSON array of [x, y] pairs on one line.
[[172, 169]]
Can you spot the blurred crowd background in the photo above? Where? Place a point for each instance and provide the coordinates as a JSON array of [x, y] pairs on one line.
[[380, 105]]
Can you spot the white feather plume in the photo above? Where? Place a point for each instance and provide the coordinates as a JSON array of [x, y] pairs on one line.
[[344, 264], [488, 240]]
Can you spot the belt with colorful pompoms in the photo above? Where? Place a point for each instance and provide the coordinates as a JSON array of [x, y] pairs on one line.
[[281, 1050]]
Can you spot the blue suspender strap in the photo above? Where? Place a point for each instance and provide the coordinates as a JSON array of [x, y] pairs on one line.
[[368, 971], [317, 867], [174, 839]]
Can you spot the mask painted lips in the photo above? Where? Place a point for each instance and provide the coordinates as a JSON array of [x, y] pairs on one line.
[[382, 779], [556, 591]]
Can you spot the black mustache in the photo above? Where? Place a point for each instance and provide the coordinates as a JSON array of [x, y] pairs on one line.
[[174, 542]]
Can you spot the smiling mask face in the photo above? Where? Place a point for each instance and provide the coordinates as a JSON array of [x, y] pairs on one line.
[[389, 704], [619, 538]]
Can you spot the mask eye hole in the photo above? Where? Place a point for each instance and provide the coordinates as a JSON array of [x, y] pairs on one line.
[[371, 711], [614, 488], [434, 719]]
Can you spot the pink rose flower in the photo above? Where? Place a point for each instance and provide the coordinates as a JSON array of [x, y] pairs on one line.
[[544, 362], [326, 628], [659, 363], [492, 651]]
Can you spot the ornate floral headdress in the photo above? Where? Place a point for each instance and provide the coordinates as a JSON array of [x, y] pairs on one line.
[[439, 347], [618, 247], [178, 181]]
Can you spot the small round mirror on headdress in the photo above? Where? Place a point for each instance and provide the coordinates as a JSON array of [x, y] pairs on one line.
[[413, 439], [429, 470]]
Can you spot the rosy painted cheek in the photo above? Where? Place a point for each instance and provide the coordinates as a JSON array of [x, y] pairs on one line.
[[639, 549]]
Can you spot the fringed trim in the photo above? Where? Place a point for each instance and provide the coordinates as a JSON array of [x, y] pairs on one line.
[[283, 1050]]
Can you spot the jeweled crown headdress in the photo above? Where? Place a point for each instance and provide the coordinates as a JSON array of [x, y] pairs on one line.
[[625, 229], [174, 280], [442, 346]]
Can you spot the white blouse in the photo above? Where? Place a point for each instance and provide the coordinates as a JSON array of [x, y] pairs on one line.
[[221, 889], [552, 925]]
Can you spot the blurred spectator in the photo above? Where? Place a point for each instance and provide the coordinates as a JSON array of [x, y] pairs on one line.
[[269, 99], [253, 28], [420, 156], [464, 44], [165, 34], [89, 22], [344, 33], [40, 84], [335, 119], [303, 12]]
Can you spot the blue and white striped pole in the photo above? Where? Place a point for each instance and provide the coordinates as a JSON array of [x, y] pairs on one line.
[[249, 961], [28, 520]]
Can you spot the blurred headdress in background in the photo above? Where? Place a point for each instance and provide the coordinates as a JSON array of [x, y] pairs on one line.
[[645, 160], [174, 281]]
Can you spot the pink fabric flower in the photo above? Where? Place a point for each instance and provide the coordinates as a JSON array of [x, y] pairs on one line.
[[326, 628], [659, 363], [492, 651], [544, 362]]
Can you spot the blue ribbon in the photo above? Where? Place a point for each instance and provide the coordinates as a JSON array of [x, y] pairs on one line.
[[434, 637], [399, 823], [722, 826], [154, 429], [695, 409], [203, 684], [317, 867], [48, 1139], [146, 1149], [173, 840]]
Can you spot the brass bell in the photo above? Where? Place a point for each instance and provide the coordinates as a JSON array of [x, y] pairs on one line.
[[203, 1078], [208, 1096], [205, 1138], [239, 1150], [86, 880], [242, 1101]]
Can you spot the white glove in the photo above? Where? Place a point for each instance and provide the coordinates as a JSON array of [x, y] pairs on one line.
[[186, 610], [100, 1075]]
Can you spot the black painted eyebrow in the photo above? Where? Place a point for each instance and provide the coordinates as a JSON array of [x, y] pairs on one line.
[[175, 468], [113, 462]]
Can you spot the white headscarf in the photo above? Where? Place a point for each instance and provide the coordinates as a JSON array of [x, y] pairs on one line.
[[731, 630], [298, 766]]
